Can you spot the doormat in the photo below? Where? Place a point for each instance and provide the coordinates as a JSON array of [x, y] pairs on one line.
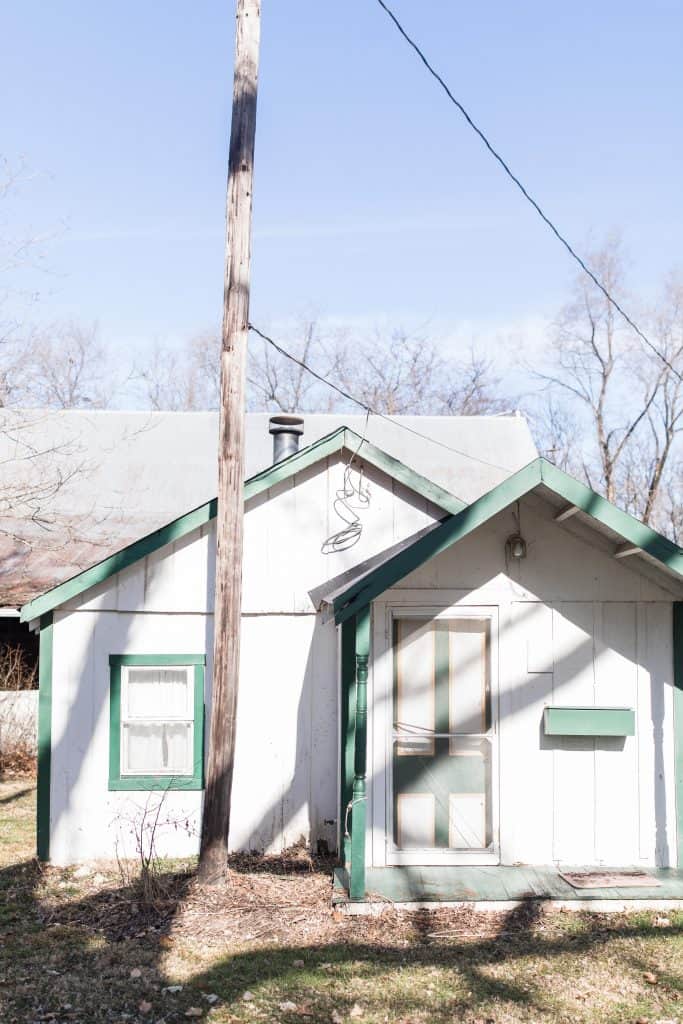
[[609, 879]]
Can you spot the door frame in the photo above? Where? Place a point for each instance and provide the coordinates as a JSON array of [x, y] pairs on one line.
[[381, 851]]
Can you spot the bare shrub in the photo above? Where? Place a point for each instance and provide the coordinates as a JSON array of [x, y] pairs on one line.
[[16, 672], [146, 874]]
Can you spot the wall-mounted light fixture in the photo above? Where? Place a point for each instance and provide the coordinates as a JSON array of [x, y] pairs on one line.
[[515, 546]]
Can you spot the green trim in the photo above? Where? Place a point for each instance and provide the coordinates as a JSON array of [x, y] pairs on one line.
[[589, 721], [359, 807], [456, 527], [678, 725], [631, 529], [145, 783], [341, 439], [97, 574], [157, 659], [348, 732], [44, 736]]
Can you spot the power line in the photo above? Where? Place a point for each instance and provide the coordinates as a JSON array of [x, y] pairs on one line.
[[368, 408], [530, 199]]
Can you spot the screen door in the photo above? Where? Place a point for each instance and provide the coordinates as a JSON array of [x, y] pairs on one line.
[[442, 742]]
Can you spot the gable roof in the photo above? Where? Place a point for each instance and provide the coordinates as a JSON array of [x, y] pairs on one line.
[[538, 474], [85, 483], [340, 440]]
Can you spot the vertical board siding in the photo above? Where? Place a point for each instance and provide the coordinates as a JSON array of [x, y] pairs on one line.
[[616, 762], [574, 759], [526, 772]]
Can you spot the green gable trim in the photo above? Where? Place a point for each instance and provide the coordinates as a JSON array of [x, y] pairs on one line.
[[678, 725], [453, 529], [340, 439], [631, 529], [148, 783], [458, 526], [44, 737], [97, 574]]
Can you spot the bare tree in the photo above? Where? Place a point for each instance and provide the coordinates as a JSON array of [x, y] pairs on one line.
[[64, 366], [279, 384], [401, 374], [184, 379], [594, 365], [650, 469], [622, 411], [398, 374]]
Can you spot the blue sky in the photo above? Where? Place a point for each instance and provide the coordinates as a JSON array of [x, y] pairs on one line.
[[374, 203]]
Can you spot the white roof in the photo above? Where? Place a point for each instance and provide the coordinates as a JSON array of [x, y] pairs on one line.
[[79, 485]]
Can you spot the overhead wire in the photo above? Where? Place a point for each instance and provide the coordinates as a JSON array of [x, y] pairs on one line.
[[530, 199], [368, 408]]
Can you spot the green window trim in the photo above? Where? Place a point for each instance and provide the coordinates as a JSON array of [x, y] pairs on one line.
[[146, 783]]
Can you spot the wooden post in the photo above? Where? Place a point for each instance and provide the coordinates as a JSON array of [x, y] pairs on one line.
[[229, 523], [348, 734]]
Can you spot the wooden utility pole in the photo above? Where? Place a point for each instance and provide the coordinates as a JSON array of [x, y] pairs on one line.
[[230, 519]]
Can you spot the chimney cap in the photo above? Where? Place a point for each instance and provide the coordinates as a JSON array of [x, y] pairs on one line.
[[285, 424]]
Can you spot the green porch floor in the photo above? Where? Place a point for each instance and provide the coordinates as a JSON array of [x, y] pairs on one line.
[[498, 883]]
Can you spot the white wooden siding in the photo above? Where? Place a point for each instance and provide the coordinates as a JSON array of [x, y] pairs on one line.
[[577, 627], [286, 766]]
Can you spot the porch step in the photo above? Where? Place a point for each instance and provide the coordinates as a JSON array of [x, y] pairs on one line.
[[500, 884]]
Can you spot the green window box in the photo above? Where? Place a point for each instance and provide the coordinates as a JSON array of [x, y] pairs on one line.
[[589, 721], [156, 721]]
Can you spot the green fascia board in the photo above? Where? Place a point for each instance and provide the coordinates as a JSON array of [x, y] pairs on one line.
[[628, 527], [433, 543], [340, 439], [44, 738], [150, 783], [460, 525], [589, 721], [678, 725], [102, 571]]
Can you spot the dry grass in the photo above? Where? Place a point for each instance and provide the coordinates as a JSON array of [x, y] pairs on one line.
[[89, 949]]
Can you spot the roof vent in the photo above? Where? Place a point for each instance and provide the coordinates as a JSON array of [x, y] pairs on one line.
[[286, 431]]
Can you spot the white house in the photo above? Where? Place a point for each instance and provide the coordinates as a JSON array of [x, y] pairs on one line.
[[439, 676]]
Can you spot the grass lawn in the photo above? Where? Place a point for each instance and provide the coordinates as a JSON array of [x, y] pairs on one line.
[[87, 947]]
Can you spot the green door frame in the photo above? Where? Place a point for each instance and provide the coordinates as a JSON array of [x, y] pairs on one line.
[[355, 656]]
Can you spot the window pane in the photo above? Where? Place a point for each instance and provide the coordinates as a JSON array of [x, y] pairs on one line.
[[469, 672], [158, 749], [415, 707], [158, 692]]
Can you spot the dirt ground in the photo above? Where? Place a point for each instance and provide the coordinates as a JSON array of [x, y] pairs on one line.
[[96, 945]]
